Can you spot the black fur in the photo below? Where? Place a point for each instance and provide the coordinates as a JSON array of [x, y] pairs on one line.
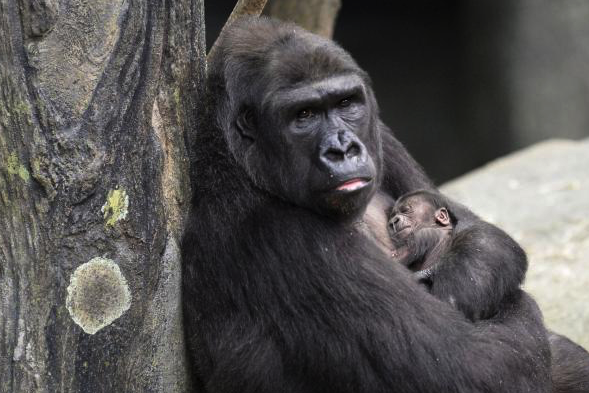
[[570, 369], [282, 294]]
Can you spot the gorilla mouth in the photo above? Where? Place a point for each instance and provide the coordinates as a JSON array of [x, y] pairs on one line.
[[399, 230], [353, 184]]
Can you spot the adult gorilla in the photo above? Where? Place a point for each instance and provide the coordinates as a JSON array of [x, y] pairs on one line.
[[281, 293]]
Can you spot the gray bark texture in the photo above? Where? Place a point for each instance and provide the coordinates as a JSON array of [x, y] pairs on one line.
[[97, 103], [317, 16]]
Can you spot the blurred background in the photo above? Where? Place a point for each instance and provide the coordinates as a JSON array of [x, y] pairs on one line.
[[464, 82]]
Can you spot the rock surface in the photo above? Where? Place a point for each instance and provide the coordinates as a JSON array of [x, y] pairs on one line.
[[540, 196]]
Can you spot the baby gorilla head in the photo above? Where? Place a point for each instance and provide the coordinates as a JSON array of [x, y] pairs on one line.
[[419, 224]]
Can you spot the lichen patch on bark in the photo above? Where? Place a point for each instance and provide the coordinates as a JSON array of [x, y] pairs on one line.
[[116, 206], [13, 167], [98, 294]]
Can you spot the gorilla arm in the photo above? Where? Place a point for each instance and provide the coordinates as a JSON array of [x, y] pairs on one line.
[[480, 267], [353, 322]]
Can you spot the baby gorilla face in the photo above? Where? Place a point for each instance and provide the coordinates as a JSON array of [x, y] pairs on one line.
[[410, 214], [416, 227]]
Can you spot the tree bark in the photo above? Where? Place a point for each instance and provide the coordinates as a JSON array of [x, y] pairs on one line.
[[317, 16], [97, 104]]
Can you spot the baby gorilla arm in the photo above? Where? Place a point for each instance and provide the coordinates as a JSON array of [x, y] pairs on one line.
[[479, 269]]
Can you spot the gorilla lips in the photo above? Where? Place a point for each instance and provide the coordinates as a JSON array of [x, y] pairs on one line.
[[353, 185]]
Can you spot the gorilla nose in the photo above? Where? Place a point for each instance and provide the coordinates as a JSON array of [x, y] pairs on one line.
[[340, 147]]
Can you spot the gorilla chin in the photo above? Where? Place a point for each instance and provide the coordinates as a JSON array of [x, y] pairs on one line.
[[347, 200]]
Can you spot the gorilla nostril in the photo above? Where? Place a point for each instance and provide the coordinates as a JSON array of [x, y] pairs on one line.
[[334, 154], [353, 150]]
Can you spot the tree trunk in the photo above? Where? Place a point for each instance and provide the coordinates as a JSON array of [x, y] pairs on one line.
[[97, 102], [317, 16]]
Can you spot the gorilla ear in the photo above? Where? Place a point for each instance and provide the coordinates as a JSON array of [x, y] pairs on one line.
[[442, 217], [245, 124]]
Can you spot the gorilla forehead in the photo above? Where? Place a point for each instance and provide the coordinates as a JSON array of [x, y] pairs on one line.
[[309, 93], [268, 55]]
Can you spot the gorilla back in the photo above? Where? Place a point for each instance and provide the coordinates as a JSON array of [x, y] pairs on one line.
[[281, 294]]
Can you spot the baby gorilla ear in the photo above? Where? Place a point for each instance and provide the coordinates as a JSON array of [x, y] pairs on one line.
[[442, 217], [246, 123]]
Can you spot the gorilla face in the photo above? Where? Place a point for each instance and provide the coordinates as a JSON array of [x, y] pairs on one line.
[[316, 140], [305, 124]]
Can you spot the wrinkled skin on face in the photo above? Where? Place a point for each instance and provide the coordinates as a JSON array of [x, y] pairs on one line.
[[325, 164]]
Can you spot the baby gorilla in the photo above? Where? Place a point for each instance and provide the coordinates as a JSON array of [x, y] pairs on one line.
[[468, 262], [475, 266]]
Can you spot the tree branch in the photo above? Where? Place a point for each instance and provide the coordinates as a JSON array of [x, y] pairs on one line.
[[242, 8], [317, 16]]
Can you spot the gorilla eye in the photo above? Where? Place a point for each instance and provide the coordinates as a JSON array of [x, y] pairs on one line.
[[305, 114], [346, 102]]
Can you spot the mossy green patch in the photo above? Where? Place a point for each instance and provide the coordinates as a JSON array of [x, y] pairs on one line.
[[21, 108], [116, 206], [177, 96], [14, 167]]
